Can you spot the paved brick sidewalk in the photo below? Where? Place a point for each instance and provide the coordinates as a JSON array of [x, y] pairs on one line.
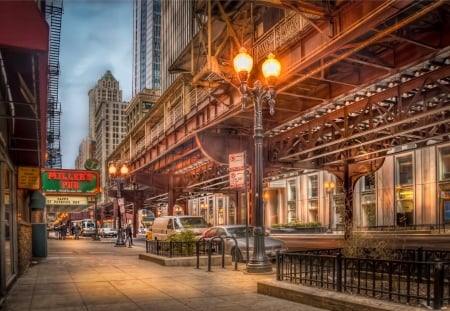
[[95, 275]]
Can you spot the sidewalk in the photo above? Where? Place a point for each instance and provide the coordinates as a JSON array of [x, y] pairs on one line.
[[95, 275]]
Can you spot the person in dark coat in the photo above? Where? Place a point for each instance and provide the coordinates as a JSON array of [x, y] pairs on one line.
[[129, 235]]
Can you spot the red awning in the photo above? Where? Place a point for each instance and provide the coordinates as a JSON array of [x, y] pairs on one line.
[[23, 25]]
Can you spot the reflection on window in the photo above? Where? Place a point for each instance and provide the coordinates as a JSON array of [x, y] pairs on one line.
[[404, 191], [369, 182], [405, 170]]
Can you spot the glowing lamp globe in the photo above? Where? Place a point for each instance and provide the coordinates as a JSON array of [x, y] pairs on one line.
[[271, 68], [243, 62]]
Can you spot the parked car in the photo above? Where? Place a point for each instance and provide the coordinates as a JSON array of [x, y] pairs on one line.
[[165, 225], [240, 233], [108, 233]]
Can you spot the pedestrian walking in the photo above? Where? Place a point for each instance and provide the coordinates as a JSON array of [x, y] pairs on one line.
[[129, 235], [76, 231], [63, 231]]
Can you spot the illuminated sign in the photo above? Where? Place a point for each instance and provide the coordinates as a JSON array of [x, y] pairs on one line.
[[68, 182], [66, 200]]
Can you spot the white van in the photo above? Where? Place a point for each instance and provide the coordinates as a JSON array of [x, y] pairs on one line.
[[87, 227], [165, 225]]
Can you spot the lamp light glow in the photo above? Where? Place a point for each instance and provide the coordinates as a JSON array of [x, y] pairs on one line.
[[243, 62], [271, 67]]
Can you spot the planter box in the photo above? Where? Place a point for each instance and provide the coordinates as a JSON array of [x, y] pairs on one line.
[[298, 230]]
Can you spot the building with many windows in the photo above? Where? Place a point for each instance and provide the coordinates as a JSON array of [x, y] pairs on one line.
[[146, 45], [177, 29], [107, 119]]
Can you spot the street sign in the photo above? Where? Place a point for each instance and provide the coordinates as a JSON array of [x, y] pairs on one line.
[[237, 179], [236, 161], [237, 167]]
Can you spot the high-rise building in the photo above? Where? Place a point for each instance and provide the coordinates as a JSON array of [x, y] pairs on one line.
[[146, 45], [177, 29], [107, 119]]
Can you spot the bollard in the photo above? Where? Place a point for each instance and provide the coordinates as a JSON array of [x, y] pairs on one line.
[[198, 252], [277, 265], [438, 284]]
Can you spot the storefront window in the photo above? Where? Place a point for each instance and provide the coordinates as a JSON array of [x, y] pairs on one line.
[[444, 163], [404, 191], [313, 198], [231, 213], [368, 201], [292, 200], [211, 214], [220, 211]]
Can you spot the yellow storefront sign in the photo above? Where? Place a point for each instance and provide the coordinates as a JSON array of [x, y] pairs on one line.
[[29, 178]]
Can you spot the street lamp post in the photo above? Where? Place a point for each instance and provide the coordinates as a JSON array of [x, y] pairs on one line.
[[96, 235], [329, 187], [118, 176], [259, 94]]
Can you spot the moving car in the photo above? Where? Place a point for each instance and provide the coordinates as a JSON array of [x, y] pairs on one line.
[[108, 232], [240, 233]]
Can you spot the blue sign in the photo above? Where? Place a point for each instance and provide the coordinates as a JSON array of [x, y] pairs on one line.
[[447, 210]]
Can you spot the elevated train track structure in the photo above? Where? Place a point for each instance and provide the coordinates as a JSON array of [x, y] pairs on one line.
[[360, 80]]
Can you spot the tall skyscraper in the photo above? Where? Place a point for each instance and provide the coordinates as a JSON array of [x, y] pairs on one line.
[[146, 45], [177, 27], [107, 119]]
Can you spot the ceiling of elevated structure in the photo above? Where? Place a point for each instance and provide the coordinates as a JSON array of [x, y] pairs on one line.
[[361, 80]]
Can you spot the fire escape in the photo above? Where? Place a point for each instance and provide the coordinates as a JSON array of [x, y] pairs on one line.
[[53, 11]]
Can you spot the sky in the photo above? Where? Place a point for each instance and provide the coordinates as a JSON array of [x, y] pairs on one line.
[[96, 35]]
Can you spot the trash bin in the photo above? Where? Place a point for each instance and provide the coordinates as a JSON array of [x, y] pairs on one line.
[[39, 240]]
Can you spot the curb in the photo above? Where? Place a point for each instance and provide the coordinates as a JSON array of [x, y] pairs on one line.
[[327, 299]]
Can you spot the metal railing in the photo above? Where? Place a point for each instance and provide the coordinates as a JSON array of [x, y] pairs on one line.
[[172, 249], [408, 281]]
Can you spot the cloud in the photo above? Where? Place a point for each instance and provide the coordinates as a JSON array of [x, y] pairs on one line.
[[96, 36]]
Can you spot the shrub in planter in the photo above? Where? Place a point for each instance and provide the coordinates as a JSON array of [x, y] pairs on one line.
[[185, 242]]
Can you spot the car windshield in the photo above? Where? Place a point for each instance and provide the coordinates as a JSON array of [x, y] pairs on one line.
[[193, 222], [239, 232]]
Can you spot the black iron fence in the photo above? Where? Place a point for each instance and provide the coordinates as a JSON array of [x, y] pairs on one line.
[[183, 249], [421, 277]]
